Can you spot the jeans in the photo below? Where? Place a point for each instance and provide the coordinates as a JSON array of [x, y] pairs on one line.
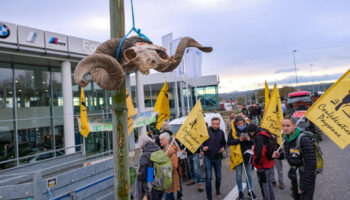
[[279, 166], [239, 169], [169, 196], [155, 195], [209, 164], [265, 182], [195, 171], [306, 195]]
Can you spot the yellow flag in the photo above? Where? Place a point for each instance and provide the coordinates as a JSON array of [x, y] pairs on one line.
[[193, 132], [84, 124], [236, 157], [273, 115], [331, 112], [267, 96], [162, 105], [131, 112]]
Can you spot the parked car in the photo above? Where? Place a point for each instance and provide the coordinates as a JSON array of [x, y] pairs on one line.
[[176, 123]]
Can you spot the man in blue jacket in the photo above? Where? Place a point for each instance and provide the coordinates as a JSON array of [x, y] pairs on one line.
[[213, 149]]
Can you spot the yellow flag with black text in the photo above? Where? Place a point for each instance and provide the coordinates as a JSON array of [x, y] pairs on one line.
[[236, 157], [267, 96], [331, 112], [131, 112], [84, 124], [273, 115], [162, 106], [193, 132]]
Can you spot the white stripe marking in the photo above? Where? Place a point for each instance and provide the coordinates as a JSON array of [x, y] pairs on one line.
[[233, 194]]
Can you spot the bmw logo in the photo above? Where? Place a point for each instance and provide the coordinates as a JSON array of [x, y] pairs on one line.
[[4, 31]]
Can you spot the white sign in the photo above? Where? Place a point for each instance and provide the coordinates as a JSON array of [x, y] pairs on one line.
[[56, 41], [31, 37], [8, 32], [82, 46]]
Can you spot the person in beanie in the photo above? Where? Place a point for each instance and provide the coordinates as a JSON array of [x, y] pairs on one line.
[[246, 142], [264, 163], [141, 187]]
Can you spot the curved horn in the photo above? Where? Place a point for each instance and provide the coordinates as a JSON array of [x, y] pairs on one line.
[[175, 60], [105, 71]]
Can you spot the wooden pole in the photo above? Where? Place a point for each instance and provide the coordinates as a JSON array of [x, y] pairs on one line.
[[120, 113]]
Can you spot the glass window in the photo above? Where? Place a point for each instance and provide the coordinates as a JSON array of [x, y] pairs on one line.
[[34, 136], [32, 87], [7, 142], [147, 95], [56, 81], [32, 84]]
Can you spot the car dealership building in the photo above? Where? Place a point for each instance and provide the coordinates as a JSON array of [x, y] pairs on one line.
[[39, 102]]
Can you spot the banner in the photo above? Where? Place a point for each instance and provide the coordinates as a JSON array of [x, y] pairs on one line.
[[84, 126], [131, 112], [331, 112], [162, 105], [180, 69], [193, 62], [273, 115], [193, 132], [236, 157], [145, 119]]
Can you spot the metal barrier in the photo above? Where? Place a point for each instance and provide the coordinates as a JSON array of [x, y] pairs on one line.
[[72, 180], [54, 152]]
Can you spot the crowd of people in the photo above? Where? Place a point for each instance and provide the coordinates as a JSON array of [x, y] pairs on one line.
[[259, 152]]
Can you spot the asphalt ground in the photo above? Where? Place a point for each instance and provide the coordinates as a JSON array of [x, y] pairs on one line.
[[332, 183]]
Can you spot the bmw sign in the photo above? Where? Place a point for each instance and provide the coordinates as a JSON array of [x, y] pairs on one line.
[[4, 31]]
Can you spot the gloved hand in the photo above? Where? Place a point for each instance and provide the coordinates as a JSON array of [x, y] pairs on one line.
[[292, 174]]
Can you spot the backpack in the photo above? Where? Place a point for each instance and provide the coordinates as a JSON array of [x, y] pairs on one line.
[[271, 145], [318, 151], [162, 170]]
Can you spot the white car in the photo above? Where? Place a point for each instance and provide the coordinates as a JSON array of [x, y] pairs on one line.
[[176, 123]]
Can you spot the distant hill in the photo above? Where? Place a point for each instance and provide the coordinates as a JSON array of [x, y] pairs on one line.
[[250, 93]]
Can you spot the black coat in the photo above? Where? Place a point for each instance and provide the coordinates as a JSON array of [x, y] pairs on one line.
[[145, 160], [306, 160], [245, 145], [215, 142]]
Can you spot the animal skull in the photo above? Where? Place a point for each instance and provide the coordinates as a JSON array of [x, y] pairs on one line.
[[146, 57], [138, 54]]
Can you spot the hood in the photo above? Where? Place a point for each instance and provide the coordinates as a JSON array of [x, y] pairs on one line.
[[151, 147]]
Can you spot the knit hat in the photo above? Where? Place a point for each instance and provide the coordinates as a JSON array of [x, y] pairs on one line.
[[239, 118], [252, 128]]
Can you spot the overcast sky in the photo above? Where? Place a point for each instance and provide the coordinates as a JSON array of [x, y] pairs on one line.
[[253, 40]]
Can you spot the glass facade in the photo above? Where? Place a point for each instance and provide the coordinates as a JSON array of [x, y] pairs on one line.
[[31, 109]]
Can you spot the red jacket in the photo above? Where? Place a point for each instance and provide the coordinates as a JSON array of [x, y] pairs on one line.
[[260, 150]]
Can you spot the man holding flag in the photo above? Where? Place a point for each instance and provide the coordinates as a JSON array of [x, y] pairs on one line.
[[300, 157]]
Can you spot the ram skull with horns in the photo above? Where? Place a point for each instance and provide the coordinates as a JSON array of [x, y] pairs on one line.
[[136, 54]]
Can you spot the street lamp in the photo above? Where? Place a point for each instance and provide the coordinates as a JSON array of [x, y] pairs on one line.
[[295, 68], [312, 78]]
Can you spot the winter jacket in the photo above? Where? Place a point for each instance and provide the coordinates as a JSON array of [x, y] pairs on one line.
[[141, 176], [260, 150], [306, 160], [245, 145], [172, 153], [215, 142]]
